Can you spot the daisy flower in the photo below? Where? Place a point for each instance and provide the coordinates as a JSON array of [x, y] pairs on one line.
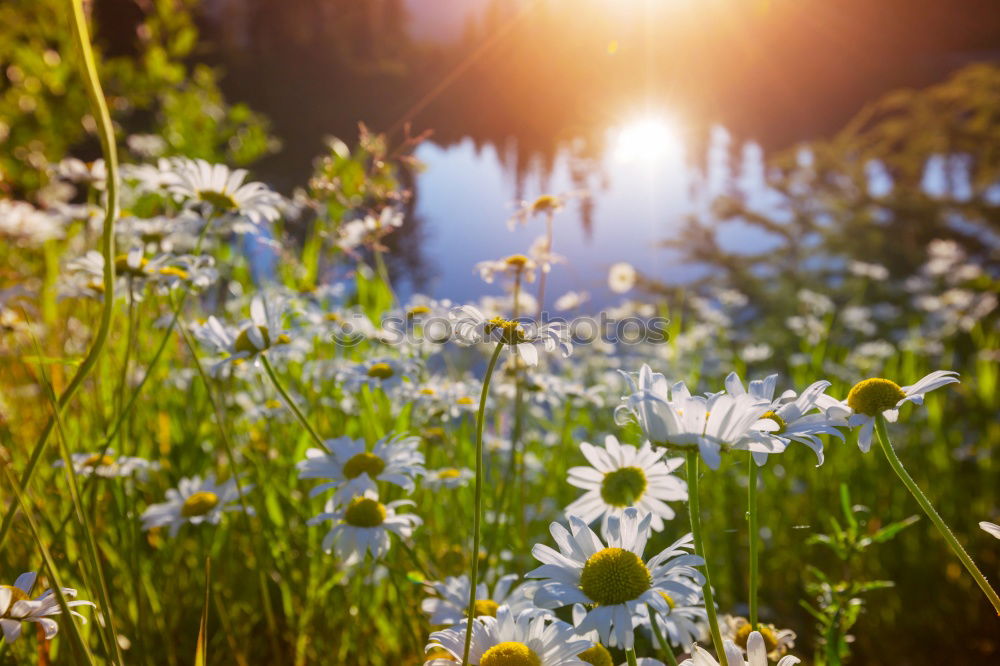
[[798, 418], [515, 266], [684, 623], [622, 277], [24, 225], [871, 397], [472, 327], [363, 526], [379, 373], [546, 204], [224, 192], [369, 230], [352, 470], [571, 300], [756, 654], [452, 601], [672, 417], [17, 606], [622, 476], [94, 174], [261, 333], [777, 642], [542, 255], [107, 466], [608, 584], [448, 477], [194, 501], [509, 639], [132, 270]]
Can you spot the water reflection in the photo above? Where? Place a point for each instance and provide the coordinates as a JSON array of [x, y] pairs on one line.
[[640, 188]]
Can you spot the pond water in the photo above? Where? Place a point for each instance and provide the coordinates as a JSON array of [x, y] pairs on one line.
[[622, 205]]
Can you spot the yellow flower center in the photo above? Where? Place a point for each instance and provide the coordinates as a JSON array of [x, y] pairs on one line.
[[364, 463], [669, 599], [623, 487], [273, 404], [199, 504], [244, 344], [466, 400], [217, 200], [511, 332], [122, 267], [771, 414], [331, 316], [450, 473], [874, 396], [381, 371], [418, 310], [743, 635], [597, 655], [16, 594], [364, 512], [510, 653], [486, 607], [426, 391], [545, 203], [614, 576], [517, 261], [174, 272], [99, 460]]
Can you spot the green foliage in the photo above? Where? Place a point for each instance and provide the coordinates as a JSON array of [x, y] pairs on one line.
[[44, 115], [839, 598]]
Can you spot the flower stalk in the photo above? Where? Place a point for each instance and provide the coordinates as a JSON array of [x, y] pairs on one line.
[[694, 510], [665, 648], [754, 538], [925, 504], [291, 404], [477, 517]]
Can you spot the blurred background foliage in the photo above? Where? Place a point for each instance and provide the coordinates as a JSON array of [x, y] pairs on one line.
[[151, 80]]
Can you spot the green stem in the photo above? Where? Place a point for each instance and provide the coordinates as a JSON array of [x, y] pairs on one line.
[[660, 640], [754, 538], [699, 548], [630, 657], [291, 404], [925, 504], [474, 578], [99, 110]]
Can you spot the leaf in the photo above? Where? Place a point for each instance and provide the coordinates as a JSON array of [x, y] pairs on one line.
[[892, 529]]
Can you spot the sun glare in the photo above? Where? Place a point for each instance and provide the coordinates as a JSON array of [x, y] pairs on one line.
[[650, 139]]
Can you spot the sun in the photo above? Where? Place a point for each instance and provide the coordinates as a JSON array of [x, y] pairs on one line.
[[651, 139]]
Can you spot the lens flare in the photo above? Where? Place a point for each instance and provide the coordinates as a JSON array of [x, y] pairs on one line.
[[651, 139]]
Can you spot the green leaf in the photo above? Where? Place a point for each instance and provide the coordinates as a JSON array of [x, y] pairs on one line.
[[892, 529]]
